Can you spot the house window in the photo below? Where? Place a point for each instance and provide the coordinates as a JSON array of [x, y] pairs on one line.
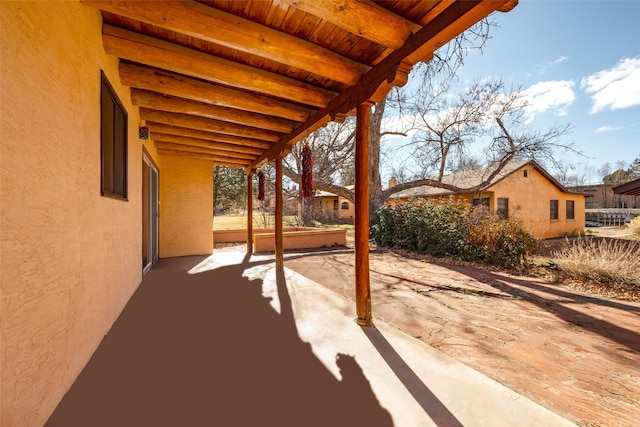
[[623, 205], [113, 141], [335, 204], [345, 206], [570, 209], [483, 201], [503, 208], [525, 173], [553, 210]]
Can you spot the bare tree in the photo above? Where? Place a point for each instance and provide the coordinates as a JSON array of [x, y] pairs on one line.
[[485, 126], [448, 130]]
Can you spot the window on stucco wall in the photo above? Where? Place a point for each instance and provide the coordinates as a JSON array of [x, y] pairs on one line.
[[553, 209], [570, 209], [113, 141], [345, 206], [503, 207]]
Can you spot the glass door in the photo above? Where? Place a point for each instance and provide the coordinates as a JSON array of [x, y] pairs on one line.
[[149, 213]]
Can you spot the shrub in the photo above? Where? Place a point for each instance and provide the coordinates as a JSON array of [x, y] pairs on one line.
[[634, 226], [601, 260], [452, 228]]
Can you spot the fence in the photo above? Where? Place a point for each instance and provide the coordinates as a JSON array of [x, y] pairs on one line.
[[611, 217]]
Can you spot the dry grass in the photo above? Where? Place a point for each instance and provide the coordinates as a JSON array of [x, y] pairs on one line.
[[604, 266]]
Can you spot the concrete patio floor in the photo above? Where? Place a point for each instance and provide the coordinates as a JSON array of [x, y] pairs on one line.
[[226, 341]]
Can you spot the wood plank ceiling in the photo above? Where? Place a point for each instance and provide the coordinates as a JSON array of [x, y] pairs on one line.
[[241, 81]]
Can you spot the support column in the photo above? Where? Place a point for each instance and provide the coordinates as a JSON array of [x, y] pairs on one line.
[[250, 213], [363, 291], [278, 225]]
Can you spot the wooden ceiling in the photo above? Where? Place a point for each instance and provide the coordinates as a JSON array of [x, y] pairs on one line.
[[241, 81]]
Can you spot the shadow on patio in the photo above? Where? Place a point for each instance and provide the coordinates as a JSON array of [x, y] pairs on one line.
[[209, 349], [230, 342]]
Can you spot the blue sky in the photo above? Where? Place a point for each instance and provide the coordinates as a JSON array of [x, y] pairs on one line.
[[580, 62]]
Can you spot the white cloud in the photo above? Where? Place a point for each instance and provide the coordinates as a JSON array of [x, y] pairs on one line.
[[544, 67], [555, 96], [608, 128], [615, 88]]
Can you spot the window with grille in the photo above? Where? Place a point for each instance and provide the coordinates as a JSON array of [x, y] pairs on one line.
[[570, 209], [113, 141], [553, 209], [503, 208]]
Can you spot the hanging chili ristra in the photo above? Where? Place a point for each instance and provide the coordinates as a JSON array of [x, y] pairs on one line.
[[307, 173], [261, 186]]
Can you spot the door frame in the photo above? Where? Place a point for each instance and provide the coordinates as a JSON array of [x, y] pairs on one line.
[[150, 209]]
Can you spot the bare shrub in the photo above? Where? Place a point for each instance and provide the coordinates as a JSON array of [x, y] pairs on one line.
[[634, 226], [606, 261]]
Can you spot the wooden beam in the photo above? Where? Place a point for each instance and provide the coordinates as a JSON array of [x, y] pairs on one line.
[[206, 135], [203, 143], [159, 53], [279, 217], [161, 81], [191, 149], [454, 20], [157, 101], [362, 18], [213, 159], [363, 290], [215, 26], [201, 123], [385, 71]]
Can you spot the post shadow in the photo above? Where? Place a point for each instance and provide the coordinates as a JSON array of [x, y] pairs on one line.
[[207, 349], [429, 402], [623, 336]]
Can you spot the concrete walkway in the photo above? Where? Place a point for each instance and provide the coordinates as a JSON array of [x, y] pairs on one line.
[[225, 340]]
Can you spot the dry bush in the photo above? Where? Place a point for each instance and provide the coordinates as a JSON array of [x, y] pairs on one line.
[[634, 226], [606, 261]]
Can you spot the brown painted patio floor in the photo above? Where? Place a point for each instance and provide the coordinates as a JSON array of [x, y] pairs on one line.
[[226, 341]]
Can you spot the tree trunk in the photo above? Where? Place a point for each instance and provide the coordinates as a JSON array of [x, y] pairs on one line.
[[376, 199]]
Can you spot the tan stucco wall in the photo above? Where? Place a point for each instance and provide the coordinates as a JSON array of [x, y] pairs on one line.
[[70, 258], [186, 206], [529, 200], [346, 213]]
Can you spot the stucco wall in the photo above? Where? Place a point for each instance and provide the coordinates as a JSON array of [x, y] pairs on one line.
[[529, 200], [186, 206], [70, 258]]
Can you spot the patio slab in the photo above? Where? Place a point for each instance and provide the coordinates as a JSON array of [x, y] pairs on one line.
[[226, 340]]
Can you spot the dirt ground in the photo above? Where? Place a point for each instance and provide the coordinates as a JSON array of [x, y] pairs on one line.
[[574, 353]]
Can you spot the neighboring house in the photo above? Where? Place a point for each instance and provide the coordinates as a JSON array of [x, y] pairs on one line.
[[522, 190], [331, 207], [602, 196]]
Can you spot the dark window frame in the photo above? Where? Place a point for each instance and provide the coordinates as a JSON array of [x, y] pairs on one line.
[[114, 144], [344, 205], [554, 209], [335, 204], [570, 209], [503, 212]]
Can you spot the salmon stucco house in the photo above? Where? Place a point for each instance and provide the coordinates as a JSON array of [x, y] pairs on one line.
[[523, 190], [333, 208], [113, 116]]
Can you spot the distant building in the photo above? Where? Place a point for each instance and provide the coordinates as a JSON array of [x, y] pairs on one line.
[[329, 207], [522, 190], [602, 196]]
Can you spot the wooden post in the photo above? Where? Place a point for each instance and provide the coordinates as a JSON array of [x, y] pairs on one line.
[[278, 225], [363, 292], [250, 213]]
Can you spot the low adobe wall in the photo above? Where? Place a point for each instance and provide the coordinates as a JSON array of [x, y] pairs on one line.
[[292, 238]]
